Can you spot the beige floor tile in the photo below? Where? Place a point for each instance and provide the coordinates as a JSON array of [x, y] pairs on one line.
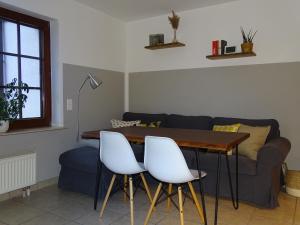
[[43, 200], [92, 218], [126, 221], [51, 206], [73, 223], [267, 221], [47, 219], [14, 213], [175, 221], [280, 215], [70, 210]]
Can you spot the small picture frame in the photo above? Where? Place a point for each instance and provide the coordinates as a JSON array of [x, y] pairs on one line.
[[156, 39]]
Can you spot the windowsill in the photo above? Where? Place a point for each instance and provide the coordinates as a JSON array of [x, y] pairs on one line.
[[32, 130]]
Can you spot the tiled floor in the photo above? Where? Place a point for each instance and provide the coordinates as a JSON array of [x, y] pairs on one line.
[[51, 206]]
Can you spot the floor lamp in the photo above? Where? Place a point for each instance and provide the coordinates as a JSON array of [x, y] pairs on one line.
[[94, 83]]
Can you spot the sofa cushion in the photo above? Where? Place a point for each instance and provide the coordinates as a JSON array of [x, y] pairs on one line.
[[146, 118], [189, 122], [253, 144], [83, 159], [122, 123], [274, 132]]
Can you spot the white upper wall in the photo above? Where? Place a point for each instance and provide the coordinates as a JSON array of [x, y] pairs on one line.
[[85, 36], [277, 40], [80, 35]]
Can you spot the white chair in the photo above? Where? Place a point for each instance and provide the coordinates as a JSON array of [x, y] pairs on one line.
[[165, 162], [117, 155]]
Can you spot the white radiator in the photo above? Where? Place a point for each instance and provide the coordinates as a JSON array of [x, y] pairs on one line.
[[17, 172]]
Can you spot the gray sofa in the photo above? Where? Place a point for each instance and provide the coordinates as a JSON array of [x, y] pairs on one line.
[[259, 181]]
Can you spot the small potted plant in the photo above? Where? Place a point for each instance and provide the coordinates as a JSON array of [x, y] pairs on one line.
[[12, 100], [247, 46]]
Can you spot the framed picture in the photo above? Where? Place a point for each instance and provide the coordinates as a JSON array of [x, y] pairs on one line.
[[156, 39]]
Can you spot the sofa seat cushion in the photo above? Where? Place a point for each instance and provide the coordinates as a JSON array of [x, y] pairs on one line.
[[189, 122], [83, 159], [208, 162], [274, 132], [146, 118]]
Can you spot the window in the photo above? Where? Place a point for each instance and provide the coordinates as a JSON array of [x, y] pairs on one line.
[[25, 55]]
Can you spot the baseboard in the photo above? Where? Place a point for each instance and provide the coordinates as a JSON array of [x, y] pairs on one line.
[[37, 186]]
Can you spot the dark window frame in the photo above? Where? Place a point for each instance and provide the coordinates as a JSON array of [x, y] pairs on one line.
[[45, 66]]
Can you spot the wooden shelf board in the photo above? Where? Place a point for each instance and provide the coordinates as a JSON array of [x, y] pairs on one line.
[[167, 45], [231, 56]]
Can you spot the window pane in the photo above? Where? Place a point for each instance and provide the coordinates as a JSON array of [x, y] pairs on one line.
[[10, 37], [33, 104], [10, 68], [30, 72], [30, 41]]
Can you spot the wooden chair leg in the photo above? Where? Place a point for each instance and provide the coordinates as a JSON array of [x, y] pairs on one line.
[[180, 205], [153, 204], [125, 187], [169, 199], [199, 208], [107, 194], [146, 187], [131, 200]]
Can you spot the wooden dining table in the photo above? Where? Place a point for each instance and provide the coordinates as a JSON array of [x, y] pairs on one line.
[[198, 140]]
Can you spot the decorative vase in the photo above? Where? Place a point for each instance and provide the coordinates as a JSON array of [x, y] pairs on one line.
[[175, 36], [4, 125], [247, 47]]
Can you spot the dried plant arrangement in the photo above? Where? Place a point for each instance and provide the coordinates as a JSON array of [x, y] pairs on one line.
[[174, 21], [249, 37]]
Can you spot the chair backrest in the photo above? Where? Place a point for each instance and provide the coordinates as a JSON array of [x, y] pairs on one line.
[[117, 154], [165, 161]]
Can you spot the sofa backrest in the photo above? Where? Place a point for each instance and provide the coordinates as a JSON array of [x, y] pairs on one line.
[[274, 132], [201, 122], [189, 122], [146, 117]]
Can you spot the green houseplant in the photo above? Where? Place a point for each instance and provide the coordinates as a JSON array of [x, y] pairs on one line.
[[12, 100], [247, 46]]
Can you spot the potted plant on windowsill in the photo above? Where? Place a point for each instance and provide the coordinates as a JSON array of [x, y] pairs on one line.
[[247, 46], [12, 100]]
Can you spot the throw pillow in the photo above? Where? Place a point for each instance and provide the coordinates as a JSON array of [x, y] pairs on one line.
[[152, 124], [253, 144], [227, 128], [121, 123]]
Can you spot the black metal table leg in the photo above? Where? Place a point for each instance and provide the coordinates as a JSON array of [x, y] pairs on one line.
[[218, 187], [235, 200], [201, 187], [237, 176], [97, 185]]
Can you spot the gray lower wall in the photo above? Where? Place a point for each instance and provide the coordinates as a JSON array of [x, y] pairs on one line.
[[97, 108], [255, 91]]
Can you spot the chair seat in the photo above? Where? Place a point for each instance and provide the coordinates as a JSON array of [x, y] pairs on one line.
[[196, 174]]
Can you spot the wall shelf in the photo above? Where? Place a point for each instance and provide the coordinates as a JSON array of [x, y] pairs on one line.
[[231, 56], [167, 45]]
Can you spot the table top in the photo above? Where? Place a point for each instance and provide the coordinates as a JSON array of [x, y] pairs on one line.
[[221, 141]]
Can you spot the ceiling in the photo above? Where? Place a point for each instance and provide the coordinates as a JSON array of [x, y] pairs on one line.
[[130, 10]]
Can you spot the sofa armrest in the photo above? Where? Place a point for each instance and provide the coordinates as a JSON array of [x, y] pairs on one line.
[[274, 152]]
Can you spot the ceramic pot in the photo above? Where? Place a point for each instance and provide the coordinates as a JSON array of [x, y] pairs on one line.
[[4, 125], [247, 47]]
